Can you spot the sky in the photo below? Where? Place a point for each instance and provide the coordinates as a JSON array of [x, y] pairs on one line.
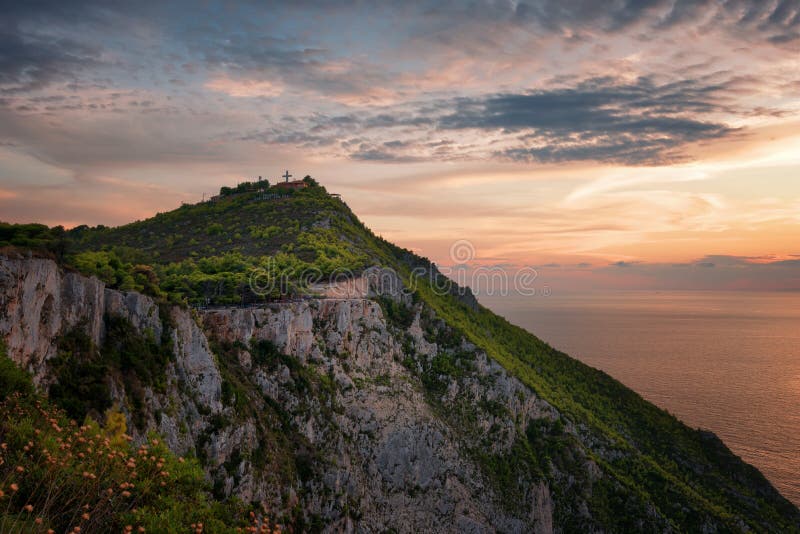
[[626, 144]]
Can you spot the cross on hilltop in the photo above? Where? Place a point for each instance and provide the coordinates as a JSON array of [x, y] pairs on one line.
[[294, 184]]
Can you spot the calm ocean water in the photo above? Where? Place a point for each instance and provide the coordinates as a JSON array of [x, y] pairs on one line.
[[725, 361]]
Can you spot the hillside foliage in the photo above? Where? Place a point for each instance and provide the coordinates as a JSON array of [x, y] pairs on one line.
[[245, 247], [60, 476]]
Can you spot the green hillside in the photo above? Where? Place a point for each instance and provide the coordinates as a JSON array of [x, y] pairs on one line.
[[655, 465], [251, 223], [207, 251]]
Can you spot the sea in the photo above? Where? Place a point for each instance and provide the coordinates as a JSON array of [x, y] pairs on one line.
[[727, 361]]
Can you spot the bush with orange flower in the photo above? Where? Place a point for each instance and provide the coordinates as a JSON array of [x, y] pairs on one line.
[[59, 476]]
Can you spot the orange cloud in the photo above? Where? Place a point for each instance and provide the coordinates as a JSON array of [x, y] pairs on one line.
[[244, 88]]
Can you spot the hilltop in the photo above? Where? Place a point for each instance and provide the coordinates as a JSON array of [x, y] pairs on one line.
[[205, 252], [539, 440], [250, 221]]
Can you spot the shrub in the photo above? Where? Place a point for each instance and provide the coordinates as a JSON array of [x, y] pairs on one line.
[[57, 475], [114, 272], [34, 236], [12, 378], [214, 229], [397, 313], [80, 387]]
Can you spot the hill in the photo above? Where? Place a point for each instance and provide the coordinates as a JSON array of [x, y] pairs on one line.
[[205, 252], [559, 446]]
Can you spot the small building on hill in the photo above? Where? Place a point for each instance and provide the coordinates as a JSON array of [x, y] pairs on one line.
[[294, 184]]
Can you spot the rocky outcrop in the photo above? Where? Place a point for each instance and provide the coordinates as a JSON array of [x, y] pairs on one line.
[[373, 282], [397, 463], [195, 365], [331, 380], [38, 303], [140, 310]]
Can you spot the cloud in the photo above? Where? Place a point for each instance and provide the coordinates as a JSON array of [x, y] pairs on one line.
[[715, 272], [30, 61], [42, 41], [721, 272], [609, 120], [254, 59], [377, 155], [774, 22], [244, 88], [119, 138], [7, 194], [599, 120]]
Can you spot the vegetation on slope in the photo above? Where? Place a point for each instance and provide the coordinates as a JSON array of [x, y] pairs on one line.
[[57, 476], [210, 251], [36, 237], [689, 475]]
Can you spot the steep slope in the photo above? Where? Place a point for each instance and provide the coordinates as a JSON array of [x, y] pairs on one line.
[[402, 407]]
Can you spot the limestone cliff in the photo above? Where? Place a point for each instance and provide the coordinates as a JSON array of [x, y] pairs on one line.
[[383, 457], [331, 413]]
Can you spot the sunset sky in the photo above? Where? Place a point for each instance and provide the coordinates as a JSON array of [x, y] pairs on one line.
[[641, 144]]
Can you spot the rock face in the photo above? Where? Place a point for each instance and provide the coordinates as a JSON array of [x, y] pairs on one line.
[[396, 461], [341, 379], [373, 282], [38, 303]]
